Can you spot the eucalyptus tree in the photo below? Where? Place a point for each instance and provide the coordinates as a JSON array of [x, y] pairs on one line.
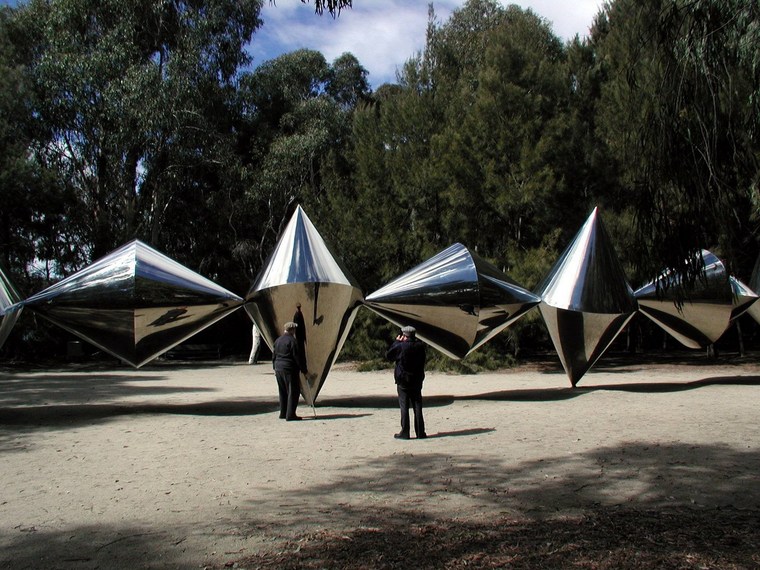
[[475, 144], [334, 7], [293, 134], [505, 158], [680, 110], [132, 98], [17, 173]]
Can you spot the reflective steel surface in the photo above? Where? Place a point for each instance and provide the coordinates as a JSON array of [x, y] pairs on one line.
[[9, 313], [580, 338], [135, 303], [754, 285], [456, 300], [586, 299], [703, 317], [744, 297], [588, 276], [302, 270]]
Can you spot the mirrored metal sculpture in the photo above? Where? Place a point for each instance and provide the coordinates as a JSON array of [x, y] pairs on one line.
[[456, 300], [754, 285], [302, 281], [705, 315], [135, 303], [744, 297], [585, 299], [10, 310]]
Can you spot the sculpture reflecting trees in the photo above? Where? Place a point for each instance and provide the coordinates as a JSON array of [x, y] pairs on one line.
[[302, 281], [9, 307], [456, 301], [586, 300], [705, 315], [135, 303]]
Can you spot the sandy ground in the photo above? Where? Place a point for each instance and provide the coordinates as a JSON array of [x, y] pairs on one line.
[[186, 465]]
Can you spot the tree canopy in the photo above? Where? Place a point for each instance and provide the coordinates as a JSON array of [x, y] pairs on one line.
[[142, 118]]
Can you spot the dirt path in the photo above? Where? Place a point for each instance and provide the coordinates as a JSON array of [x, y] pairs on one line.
[[177, 466]]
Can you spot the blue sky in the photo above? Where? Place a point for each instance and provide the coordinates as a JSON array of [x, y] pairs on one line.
[[383, 34]]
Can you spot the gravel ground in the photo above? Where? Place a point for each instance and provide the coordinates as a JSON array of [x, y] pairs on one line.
[[185, 465]]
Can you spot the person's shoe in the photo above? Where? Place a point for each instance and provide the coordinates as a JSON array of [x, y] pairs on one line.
[[422, 436], [282, 417], [401, 435], [293, 419]]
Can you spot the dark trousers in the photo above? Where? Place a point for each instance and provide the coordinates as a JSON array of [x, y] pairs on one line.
[[411, 397], [290, 390]]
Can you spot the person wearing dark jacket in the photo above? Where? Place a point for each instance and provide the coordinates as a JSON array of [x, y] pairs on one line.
[[409, 354], [287, 363]]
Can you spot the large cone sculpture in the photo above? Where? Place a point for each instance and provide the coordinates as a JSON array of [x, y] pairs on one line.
[[586, 299], [456, 301], [707, 311], [303, 272], [135, 303], [9, 309]]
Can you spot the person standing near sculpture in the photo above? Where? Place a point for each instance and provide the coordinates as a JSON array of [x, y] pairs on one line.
[[409, 354], [254, 357], [287, 362]]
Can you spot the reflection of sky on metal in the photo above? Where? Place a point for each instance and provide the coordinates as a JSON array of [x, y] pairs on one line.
[[302, 270], [456, 301], [586, 299], [9, 296], [301, 255], [588, 276], [135, 303], [708, 309]]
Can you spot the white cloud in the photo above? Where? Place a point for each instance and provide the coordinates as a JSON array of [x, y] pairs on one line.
[[566, 18], [383, 34]]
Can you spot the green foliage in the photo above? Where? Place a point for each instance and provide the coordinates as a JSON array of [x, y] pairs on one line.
[[482, 360], [679, 109], [134, 118], [131, 99]]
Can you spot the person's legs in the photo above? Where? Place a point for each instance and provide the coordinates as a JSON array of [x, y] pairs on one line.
[[415, 397], [294, 392], [256, 354], [403, 404], [282, 387], [253, 357]]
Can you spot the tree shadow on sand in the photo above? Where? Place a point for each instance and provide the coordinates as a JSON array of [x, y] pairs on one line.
[[637, 505], [567, 393], [31, 389], [603, 538], [99, 546]]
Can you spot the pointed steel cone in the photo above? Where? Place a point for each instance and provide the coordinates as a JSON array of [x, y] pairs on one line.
[[134, 303], [704, 316], [303, 271], [754, 285], [456, 300], [586, 300], [744, 297], [10, 310]]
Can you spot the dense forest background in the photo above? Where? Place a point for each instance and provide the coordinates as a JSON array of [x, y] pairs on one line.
[[124, 119]]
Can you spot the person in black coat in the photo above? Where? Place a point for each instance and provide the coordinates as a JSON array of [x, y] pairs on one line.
[[287, 363], [409, 354]]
